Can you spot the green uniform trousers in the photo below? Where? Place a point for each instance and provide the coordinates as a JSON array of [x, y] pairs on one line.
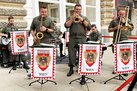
[[73, 48]]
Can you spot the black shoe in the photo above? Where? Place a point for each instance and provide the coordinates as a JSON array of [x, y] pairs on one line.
[[125, 74], [62, 55], [5, 65], [113, 72], [14, 67], [25, 66], [29, 75], [70, 72]]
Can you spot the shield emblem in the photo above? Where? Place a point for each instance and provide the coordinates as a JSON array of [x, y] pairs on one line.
[[125, 55], [20, 40], [43, 61], [90, 56]]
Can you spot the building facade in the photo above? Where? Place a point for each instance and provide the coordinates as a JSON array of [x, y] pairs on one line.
[[15, 8], [99, 12], [59, 10]]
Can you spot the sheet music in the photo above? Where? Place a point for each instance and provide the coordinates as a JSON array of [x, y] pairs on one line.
[[127, 41], [107, 44], [49, 45], [94, 42]]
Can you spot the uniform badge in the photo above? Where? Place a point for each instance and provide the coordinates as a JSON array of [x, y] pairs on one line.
[[125, 55], [43, 60], [20, 40], [90, 56]]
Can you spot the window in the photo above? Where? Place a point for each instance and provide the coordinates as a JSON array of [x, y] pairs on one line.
[[91, 10], [69, 10], [91, 14], [91, 2], [73, 1], [53, 10]]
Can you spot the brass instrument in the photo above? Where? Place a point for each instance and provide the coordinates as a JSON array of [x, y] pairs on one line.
[[39, 34], [125, 26], [125, 20], [76, 20]]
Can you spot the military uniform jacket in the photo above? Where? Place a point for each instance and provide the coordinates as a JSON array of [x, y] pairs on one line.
[[124, 34], [9, 28], [48, 23], [95, 36]]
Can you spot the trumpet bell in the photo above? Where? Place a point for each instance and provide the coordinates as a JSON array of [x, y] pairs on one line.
[[76, 20]]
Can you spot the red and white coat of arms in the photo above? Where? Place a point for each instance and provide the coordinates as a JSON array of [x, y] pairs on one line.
[[19, 42], [125, 58], [89, 59], [43, 63]]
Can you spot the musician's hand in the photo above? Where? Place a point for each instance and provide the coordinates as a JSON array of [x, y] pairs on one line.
[[73, 17], [35, 39], [6, 35], [80, 18], [118, 27], [43, 28]]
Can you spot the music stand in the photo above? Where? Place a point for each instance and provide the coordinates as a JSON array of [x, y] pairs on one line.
[[17, 63], [83, 79], [20, 41], [119, 76], [41, 81]]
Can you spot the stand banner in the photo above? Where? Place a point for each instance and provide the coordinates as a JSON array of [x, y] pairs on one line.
[[125, 58], [90, 59], [19, 42], [43, 63]]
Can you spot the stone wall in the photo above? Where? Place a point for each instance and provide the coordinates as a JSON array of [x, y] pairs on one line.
[[134, 21], [107, 9], [15, 8]]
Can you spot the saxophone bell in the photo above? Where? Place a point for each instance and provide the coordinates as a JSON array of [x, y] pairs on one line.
[[39, 35]]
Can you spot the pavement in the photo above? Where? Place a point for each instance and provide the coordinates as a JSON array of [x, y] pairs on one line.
[[18, 81]]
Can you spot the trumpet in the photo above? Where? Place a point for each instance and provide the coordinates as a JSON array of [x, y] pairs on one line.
[[76, 18]]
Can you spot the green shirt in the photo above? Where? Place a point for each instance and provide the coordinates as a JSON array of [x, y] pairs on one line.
[[77, 30], [47, 22], [95, 36], [9, 28], [124, 34]]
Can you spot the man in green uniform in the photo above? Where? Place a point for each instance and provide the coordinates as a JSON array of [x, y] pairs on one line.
[[77, 25], [119, 24], [43, 24], [7, 56], [120, 28]]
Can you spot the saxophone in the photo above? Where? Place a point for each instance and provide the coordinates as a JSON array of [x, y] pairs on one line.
[[40, 34]]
